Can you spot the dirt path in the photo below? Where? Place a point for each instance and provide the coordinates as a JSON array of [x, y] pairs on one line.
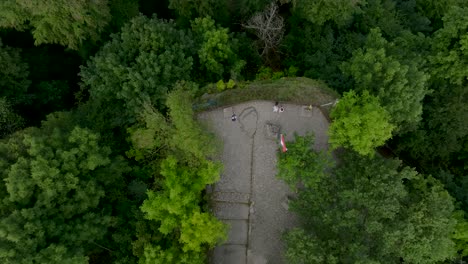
[[249, 197]]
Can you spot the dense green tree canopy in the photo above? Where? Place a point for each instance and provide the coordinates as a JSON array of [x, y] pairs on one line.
[[359, 123], [399, 86], [9, 120], [65, 197], [13, 73], [449, 57], [373, 211], [319, 12], [63, 22], [139, 65], [301, 164], [173, 207], [215, 50], [445, 127], [54, 180]]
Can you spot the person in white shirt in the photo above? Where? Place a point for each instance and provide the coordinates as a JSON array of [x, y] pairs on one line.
[[275, 108]]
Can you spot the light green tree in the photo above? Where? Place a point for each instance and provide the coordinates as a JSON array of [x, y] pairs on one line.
[[359, 123], [215, 50], [63, 22], [176, 208]]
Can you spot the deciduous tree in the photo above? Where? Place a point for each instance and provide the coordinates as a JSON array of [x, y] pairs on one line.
[[63, 22], [13, 73], [268, 25], [301, 164], [141, 64], [359, 123], [215, 51], [319, 12], [9, 120], [371, 210], [54, 182], [399, 85]]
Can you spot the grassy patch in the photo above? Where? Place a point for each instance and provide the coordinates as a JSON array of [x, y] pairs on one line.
[[298, 90]]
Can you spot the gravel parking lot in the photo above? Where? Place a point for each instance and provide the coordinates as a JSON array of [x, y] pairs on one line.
[[249, 197]]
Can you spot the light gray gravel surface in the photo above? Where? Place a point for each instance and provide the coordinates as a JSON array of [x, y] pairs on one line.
[[248, 196]]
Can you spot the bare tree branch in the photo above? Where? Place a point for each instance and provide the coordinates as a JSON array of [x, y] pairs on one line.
[[269, 28]]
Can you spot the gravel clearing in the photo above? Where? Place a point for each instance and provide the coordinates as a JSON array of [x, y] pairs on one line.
[[248, 196]]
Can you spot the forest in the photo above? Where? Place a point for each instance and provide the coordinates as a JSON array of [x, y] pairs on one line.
[[102, 159]]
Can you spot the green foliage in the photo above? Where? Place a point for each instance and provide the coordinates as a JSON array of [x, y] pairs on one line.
[[179, 134], [400, 86], [301, 164], [373, 211], [318, 12], [180, 195], [188, 140], [176, 205], [220, 86], [303, 248], [57, 22], [200, 229], [122, 11], [460, 235], [436, 9], [9, 120], [264, 73], [320, 50], [199, 8], [182, 227], [450, 44], [360, 123], [277, 75], [13, 73], [445, 126], [141, 64], [382, 14], [291, 71], [215, 51], [230, 84], [54, 184]]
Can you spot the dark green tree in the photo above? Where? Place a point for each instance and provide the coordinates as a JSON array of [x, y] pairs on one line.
[[14, 73], [141, 64], [399, 85], [55, 181], [371, 210], [9, 120], [301, 165], [444, 128], [56, 21], [318, 12]]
